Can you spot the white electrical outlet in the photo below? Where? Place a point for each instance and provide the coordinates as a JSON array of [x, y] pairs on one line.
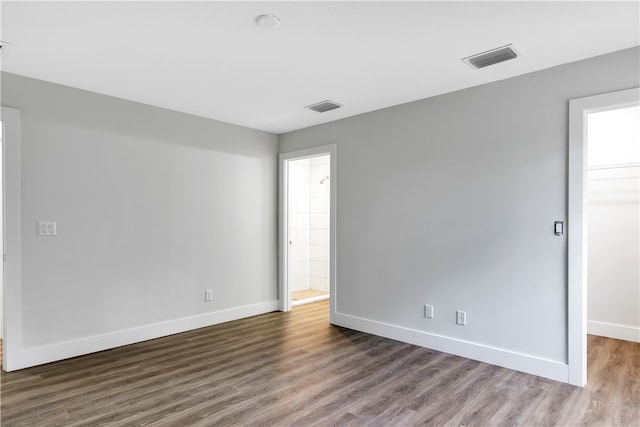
[[208, 295], [461, 318], [428, 311]]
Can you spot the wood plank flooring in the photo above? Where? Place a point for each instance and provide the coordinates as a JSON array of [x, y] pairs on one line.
[[294, 368]]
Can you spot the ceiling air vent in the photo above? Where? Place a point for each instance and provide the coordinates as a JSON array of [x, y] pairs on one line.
[[323, 106], [491, 57]]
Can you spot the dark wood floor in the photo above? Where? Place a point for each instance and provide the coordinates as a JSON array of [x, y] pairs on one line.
[[296, 369]]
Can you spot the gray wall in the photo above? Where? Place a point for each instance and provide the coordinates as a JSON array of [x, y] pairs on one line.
[[451, 201], [152, 208]]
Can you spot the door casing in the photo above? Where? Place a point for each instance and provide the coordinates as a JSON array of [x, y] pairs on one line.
[[579, 109], [12, 284]]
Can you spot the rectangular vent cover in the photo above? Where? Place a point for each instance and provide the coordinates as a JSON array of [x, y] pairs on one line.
[[491, 57], [323, 106]]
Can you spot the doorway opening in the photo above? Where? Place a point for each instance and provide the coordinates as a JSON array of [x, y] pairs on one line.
[[613, 226], [307, 227], [580, 110]]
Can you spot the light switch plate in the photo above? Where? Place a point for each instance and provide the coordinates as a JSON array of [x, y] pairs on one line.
[[46, 228], [558, 228]]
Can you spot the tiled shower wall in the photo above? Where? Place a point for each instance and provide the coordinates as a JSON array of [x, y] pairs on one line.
[[309, 216]]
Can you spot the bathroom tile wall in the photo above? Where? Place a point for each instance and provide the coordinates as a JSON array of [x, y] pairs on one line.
[[299, 222], [319, 223], [309, 192]]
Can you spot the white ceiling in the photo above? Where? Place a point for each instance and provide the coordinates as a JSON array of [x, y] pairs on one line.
[[211, 60]]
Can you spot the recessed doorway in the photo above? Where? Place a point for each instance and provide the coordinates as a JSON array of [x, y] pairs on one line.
[[307, 236]]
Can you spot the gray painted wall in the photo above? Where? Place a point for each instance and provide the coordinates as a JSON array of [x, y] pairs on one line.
[[451, 201], [152, 208]]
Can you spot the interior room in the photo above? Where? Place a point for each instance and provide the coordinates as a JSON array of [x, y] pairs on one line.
[[418, 200]]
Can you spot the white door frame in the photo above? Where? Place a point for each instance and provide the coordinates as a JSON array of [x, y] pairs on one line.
[[12, 292], [579, 109], [284, 291]]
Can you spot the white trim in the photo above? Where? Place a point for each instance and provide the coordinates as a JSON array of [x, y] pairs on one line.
[[576, 224], [309, 300], [12, 293], [496, 356], [611, 330], [82, 346], [284, 303], [284, 293]]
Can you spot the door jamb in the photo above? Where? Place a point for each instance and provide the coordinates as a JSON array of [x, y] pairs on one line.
[[284, 294], [579, 109], [12, 291]]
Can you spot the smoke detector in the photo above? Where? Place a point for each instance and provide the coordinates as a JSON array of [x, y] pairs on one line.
[[323, 106], [491, 57], [267, 21]]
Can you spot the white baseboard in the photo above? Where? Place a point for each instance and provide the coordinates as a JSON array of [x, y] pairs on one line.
[[508, 359], [64, 350], [611, 330], [309, 300]]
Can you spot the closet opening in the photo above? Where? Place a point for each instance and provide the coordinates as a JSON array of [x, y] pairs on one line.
[[613, 210]]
